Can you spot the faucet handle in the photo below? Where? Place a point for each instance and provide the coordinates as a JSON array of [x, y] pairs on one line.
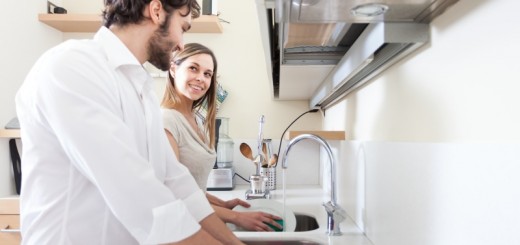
[[337, 211], [328, 207], [336, 215]]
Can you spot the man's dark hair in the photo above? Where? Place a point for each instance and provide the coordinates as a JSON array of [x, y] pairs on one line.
[[123, 12]]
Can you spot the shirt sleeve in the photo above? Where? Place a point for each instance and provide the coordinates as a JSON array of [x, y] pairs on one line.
[[76, 98], [194, 204]]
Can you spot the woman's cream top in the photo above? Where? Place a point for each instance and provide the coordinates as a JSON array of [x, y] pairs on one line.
[[194, 153]]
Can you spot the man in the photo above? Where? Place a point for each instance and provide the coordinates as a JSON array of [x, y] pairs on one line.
[[97, 167]]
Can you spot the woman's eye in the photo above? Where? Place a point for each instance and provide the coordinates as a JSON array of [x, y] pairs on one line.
[[208, 75]]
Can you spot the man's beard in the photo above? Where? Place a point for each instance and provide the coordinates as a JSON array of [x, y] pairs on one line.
[[160, 49]]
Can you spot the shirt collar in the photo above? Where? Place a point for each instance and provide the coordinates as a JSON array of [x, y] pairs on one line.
[[116, 51], [120, 57]]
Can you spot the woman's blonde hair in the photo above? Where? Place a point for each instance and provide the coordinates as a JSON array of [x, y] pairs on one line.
[[171, 97]]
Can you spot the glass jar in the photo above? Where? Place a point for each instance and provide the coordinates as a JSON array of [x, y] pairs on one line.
[[225, 145]]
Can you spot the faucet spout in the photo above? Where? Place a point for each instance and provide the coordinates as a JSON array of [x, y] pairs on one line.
[[335, 214]]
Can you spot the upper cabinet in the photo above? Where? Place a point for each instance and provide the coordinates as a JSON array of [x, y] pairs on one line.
[[92, 22]]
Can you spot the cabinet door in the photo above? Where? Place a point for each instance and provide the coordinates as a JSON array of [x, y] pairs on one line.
[[10, 229]]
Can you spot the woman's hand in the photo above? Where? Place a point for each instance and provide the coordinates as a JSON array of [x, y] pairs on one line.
[[230, 204], [256, 221]]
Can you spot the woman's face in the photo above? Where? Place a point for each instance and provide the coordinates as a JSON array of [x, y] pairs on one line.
[[193, 76]]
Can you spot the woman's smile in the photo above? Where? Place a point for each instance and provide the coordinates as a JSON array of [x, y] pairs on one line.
[[196, 88]]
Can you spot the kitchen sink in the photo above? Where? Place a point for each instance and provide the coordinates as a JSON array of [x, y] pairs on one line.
[[305, 223]]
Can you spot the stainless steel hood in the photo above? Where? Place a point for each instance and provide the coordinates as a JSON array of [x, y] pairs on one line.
[[330, 11], [316, 47], [378, 47]]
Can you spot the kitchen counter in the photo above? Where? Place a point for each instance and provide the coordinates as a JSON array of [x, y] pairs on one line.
[[301, 199]]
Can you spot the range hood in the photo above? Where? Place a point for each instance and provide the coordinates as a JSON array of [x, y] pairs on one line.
[[320, 50]]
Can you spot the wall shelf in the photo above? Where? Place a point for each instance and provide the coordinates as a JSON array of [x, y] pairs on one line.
[[327, 135], [92, 22], [10, 133]]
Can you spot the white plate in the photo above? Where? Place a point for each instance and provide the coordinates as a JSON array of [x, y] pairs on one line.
[[272, 207]]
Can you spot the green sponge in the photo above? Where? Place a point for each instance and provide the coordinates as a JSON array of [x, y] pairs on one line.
[[274, 227]]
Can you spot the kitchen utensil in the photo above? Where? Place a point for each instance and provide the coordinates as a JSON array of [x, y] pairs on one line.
[[265, 155], [259, 142], [267, 149], [246, 151], [257, 160], [272, 161]]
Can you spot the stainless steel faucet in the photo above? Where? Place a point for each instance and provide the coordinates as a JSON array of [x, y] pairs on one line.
[[335, 214]]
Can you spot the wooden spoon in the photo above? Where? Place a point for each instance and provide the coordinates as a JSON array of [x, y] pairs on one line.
[[273, 161], [264, 150], [246, 151]]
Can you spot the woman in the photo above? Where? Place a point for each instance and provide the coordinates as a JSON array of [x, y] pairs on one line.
[[191, 83]]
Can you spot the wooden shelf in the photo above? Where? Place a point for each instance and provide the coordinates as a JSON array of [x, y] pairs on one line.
[[327, 135], [92, 22], [10, 205], [9, 133], [206, 24]]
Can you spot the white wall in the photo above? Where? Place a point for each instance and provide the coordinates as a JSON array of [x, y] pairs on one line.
[[461, 87], [433, 150], [23, 40], [238, 49], [242, 72]]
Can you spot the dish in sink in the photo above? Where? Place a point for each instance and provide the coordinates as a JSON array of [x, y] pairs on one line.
[[272, 207]]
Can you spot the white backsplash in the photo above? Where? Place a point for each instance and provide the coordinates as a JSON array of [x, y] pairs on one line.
[[432, 193], [303, 162]]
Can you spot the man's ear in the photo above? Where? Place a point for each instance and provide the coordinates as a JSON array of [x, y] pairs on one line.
[[154, 11]]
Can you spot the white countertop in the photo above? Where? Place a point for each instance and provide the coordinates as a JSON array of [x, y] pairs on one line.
[[307, 200]]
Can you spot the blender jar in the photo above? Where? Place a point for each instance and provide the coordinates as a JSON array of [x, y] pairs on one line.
[[225, 145]]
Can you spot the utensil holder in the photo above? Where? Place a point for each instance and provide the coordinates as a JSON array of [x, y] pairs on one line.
[[270, 173]]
